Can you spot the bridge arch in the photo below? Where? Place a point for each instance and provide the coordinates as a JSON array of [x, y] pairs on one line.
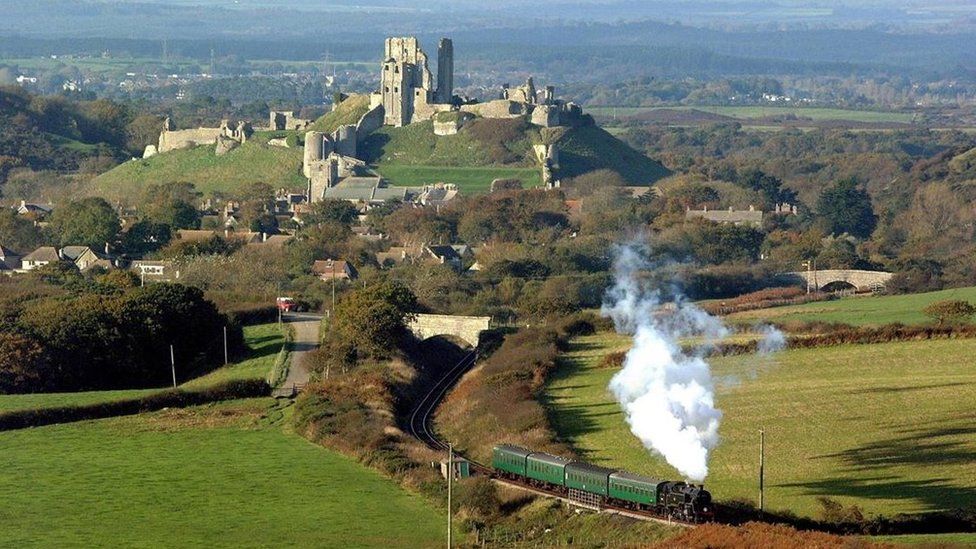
[[465, 328], [851, 278]]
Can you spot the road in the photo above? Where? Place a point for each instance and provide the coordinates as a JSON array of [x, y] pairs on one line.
[[306, 327]]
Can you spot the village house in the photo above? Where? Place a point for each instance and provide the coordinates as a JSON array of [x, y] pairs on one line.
[[752, 216], [36, 211], [155, 271], [338, 269], [39, 258], [85, 258], [9, 260]]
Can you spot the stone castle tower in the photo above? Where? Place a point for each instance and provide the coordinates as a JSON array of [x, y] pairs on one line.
[[406, 83]]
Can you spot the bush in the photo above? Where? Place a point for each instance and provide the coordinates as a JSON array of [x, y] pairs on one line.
[[170, 398], [950, 311]]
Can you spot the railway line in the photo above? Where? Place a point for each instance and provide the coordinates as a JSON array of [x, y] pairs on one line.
[[421, 428]]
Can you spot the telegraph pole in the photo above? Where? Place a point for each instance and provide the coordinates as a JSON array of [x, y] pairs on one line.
[[762, 457], [450, 477], [225, 346], [172, 364]]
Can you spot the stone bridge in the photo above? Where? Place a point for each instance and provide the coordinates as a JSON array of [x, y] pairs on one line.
[[861, 280], [465, 328]]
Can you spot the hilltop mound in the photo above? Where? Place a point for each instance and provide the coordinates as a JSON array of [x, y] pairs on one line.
[[254, 161], [347, 112], [505, 144]]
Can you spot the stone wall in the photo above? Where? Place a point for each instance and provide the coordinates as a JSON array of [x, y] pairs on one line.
[[466, 328], [369, 122], [180, 139], [862, 280], [499, 108]]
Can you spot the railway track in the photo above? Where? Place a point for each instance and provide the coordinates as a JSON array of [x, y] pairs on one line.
[[420, 418], [420, 427]]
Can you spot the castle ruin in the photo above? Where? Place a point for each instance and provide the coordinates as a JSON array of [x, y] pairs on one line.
[[407, 91]]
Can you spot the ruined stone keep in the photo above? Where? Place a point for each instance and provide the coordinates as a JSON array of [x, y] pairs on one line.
[[407, 86]]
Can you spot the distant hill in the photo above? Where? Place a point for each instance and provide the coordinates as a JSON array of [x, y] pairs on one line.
[[56, 133], [254, 161]]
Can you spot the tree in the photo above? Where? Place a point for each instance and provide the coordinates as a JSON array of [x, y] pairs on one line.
[[769, 186], [330, 209], [950, 311], [846, 208], [173, 205], [86, 222], [372, 320], [23, 365], [17, 233]]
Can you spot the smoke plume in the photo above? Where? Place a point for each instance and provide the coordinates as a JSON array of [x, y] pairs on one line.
[[667, 395]]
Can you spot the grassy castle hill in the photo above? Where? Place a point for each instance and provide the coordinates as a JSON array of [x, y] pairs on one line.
[[483, 150]]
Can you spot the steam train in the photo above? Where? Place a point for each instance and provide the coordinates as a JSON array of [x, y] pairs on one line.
[[676, 500]]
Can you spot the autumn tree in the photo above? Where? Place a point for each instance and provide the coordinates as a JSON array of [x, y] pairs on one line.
[[950, 311], [846, 208], [86, 222]]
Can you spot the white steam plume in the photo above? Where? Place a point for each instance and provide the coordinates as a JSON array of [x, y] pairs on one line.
[[667, 396]]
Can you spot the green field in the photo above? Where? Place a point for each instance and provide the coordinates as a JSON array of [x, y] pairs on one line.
[[888, 427], [223, 475], [264, 340], [753, 112], [859, 311], [475, 180], [253, 162], [930, 540]]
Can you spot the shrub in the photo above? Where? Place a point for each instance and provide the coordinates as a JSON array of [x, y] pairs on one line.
[[950, 311]]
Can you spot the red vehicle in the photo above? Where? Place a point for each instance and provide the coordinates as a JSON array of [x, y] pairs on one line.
[[286, 304]]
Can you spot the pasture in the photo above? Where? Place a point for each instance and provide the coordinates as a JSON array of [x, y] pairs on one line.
[[264, 342], [888, 427], [858, 311], [470, 180], [746, 113], [223, 475]]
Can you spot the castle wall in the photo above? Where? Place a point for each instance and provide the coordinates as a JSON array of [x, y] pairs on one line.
[[369, 122], [287, 120], [445, 71], [546, 116], [171, 140], [499, 108]]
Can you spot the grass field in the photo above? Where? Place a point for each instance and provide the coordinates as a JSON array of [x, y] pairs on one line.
[[930, 540], [255, 161], [264, 341], [753, 112], [888, 427], [859, 311], [474, 180], [224, 475]]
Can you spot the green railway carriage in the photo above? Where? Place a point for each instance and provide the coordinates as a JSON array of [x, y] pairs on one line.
[[510, 459], [546, 468], [589, 478], [634, 488]]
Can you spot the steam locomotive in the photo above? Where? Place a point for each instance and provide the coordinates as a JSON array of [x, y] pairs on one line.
[[676, 500]]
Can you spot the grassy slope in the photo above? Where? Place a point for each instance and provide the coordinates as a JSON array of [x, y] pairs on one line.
[[348, 112], [264, 341], [255, 161], [745, 113], [860, 311], [220, 476], [413, 155], [591, 148], [475, 180], [888, 426]]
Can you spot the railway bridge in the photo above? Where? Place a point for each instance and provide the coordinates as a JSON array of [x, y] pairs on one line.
[[834, 278], [466, 328]]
